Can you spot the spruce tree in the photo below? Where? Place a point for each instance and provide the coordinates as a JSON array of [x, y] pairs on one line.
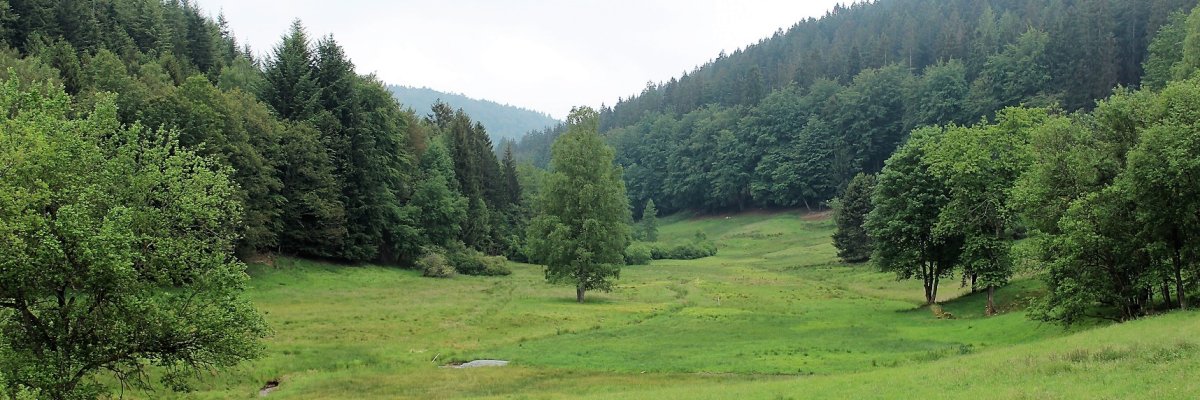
[[508, 169], [850, 211], [650, 222], [290, 87]]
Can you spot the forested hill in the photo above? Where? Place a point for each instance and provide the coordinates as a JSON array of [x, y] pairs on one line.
[[789, 120], [503, 121]]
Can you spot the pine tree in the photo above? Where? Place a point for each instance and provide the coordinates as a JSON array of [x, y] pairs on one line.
[[650, 222], [850, 212], [313, 217], [512, 187], [290, 86]]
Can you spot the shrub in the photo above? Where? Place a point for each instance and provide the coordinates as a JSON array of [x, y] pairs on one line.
[[638, 254], [469, 261], [434, 265], [683, 251], [495, 266]]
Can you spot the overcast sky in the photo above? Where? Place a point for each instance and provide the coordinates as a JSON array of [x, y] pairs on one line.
[[545, 55]]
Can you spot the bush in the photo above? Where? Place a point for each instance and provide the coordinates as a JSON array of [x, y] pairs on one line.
[[469, 261], [683, 251], [495, 266], [637, 254], [434, 265]]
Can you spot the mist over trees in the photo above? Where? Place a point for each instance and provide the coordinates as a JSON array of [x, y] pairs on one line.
[[503, 121]]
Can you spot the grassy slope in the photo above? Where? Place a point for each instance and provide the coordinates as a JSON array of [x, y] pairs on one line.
[[773, 315]]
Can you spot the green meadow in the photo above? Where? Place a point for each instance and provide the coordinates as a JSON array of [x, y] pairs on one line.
[[773, 315]]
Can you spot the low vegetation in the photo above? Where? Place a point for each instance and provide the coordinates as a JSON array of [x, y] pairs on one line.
[[772, 315]]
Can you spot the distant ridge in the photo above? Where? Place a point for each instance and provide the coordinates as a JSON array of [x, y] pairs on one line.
[[502, 121]]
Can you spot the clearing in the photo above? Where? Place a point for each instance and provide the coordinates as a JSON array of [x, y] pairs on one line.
[[773, 315]]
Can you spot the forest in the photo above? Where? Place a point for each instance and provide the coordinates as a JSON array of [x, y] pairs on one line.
[[788, 121], [169, 198]]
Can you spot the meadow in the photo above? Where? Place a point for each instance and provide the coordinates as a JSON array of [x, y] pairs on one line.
[[773, 315]]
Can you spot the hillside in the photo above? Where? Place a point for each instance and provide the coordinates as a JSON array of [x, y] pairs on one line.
[[502, 121], [787, 121]]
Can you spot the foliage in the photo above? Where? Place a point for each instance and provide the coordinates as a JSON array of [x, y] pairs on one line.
[[980, 165], [434, 265], [638, 253], [120, 265], [790, 120], [649, 222], [1109, 195], [850, 212], [1165, 51], [692, 250], [908, 200], [443, 209], [581, 231]]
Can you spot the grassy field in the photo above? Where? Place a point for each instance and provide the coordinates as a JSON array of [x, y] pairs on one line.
[[774, 315]]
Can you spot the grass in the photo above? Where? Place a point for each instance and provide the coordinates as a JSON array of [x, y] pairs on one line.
[[773, 315]]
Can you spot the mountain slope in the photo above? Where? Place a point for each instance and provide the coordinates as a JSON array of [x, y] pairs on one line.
[[501, 120]]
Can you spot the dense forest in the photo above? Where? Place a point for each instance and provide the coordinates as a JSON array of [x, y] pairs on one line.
[[503, 122], [1102, 201], [788, 121]]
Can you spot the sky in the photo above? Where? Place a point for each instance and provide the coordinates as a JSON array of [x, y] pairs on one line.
[[543, 55]]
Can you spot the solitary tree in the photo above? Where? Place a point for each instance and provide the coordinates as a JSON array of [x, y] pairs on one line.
[[850, 211], [581, 232], [650, 221], [115, 252]]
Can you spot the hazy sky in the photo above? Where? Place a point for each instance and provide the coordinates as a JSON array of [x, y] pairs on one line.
[[544, 55]]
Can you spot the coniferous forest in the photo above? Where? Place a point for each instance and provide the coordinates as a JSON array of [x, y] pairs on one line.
[[1009, 185]]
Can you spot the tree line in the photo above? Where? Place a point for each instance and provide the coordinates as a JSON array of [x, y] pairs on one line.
[[1106, 199], [789, 121]]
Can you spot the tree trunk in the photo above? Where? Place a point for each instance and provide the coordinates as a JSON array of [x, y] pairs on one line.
[[1177, 262], [1179, 290], [579, 294], [1166, 291], [991, 304], [937, 280], [974, 277], [928, 283]]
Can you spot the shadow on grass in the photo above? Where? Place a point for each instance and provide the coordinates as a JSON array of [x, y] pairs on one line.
[[1014, 297], [587, 300]]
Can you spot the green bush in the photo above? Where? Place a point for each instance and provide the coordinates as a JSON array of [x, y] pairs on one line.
[[683, 251], [638, 254], [469, 261], [434, 265], [496, 266]]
